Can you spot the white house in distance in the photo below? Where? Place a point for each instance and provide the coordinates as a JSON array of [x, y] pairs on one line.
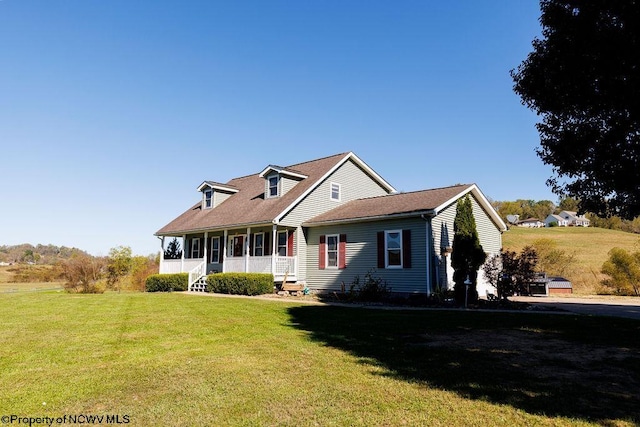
[[324, 222], [530, 223], [567, 219]]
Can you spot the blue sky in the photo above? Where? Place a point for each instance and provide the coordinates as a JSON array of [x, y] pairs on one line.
[[113, 112]]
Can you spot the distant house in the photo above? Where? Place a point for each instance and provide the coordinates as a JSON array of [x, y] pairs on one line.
[[513, 219], [325, 222], [574, 219], [567, 219], [530, 223], [555, 220]]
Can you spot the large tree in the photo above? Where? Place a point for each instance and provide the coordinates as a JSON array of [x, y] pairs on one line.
[[583, 79], [467, 255]]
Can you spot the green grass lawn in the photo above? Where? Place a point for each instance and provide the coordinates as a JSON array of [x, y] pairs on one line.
[[178, 359], [589, 245]]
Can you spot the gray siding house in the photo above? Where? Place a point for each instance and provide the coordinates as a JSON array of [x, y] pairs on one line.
[[324, 222]]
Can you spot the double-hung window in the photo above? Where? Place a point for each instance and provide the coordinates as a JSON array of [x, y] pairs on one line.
[[208, 199], [215, 250], [332, 250], [258, 244], [282, 243], [273, 186], [335, 191], [393, 248], [195, 247]]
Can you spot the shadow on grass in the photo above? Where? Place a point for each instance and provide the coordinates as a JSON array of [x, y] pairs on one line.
[[578, 367]]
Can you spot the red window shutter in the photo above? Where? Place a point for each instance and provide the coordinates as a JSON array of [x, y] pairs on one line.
[[290, 243], [322, 250], [342, 252], [406, 248], [381, 249]]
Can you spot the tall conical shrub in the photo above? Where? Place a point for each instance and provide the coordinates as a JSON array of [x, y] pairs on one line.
[[468, 255]]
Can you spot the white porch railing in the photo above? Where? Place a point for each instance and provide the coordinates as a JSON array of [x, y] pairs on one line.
[[257, 264], [175, 265], [197, 273]]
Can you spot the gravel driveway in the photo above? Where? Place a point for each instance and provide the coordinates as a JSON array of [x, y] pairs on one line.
[[590, 305]]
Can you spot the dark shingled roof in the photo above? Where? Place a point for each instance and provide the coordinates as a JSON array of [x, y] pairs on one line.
[[393, 204], [248, 205]]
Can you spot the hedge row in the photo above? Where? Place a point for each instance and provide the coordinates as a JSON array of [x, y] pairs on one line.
[[240, 283], [167, 282]]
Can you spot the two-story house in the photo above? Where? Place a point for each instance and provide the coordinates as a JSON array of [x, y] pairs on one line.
[[324, 222]]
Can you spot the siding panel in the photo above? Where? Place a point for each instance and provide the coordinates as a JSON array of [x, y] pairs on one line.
[[361, 256], [355, 184]]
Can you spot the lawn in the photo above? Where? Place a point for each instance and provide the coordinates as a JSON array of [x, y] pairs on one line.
[[178, 359], [590, 247]]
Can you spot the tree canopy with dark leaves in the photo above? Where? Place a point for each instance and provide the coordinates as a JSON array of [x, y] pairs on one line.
[[583, 80]]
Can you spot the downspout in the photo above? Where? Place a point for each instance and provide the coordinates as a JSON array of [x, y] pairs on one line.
[[427, 218]]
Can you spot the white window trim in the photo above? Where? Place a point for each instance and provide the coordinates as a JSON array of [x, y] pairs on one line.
[[286, 243], [204, 199], [339, 186], [213, 250], [195, 247], [326, 253], [386, 249], [277, 186], [255, 245]]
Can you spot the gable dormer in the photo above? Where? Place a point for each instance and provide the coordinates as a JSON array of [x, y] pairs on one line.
[[214, 193], [278, 180]]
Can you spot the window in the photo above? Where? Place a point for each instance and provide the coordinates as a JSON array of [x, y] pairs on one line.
[[273, 186], [393, 248], [332, 251], [195, 247], [208, 194], [215, 250], [282, 243], [335, 191], [258, 244]]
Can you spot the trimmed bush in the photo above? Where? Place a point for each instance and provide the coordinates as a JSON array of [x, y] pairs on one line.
[[240, 283], [167, 282]]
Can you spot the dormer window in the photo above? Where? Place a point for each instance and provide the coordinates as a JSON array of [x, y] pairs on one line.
[[273, 186], [208, 199], [279, 180], [214, 193]]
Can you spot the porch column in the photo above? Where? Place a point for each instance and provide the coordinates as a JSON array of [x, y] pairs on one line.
[[274, 248], [206, 245], [247, 255], [161, 254], [184, 249], [224, 250]]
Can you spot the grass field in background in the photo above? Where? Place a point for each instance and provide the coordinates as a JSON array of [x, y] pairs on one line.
[[179, 359], [589, 245]]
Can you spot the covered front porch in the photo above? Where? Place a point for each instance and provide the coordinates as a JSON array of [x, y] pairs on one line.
[[250, 250]]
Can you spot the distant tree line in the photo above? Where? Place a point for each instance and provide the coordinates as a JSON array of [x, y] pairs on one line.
[[38, 254], [541, 209]]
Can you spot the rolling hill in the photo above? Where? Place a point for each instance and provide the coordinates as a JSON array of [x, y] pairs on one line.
[[590, 247]]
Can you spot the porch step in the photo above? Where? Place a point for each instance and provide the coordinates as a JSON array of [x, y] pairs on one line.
[[199, 286]]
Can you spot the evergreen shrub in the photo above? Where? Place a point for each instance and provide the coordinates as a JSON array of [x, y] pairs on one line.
[[240, 283], [167, 282]]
